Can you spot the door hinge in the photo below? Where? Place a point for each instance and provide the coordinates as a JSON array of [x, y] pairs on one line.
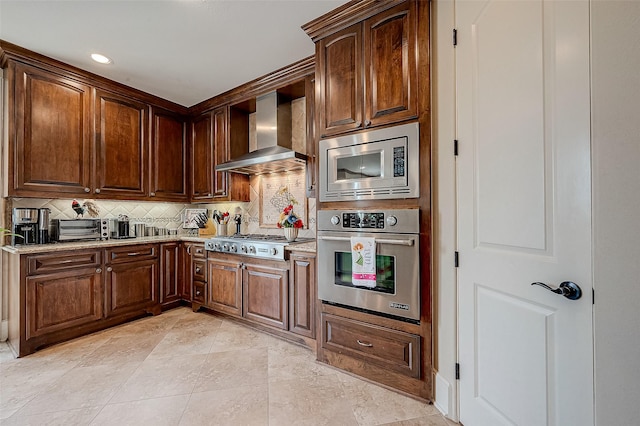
[[455, 37], [593, 296], [457, 371], [455, 147], [456, 259]]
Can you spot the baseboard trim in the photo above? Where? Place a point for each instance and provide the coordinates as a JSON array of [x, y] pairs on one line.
[[443, 400], [4, 330]]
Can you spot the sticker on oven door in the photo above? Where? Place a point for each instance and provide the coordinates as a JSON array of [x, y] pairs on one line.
[[399, 306]]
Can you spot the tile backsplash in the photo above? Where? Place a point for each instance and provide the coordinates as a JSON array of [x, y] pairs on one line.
[[170, 215]]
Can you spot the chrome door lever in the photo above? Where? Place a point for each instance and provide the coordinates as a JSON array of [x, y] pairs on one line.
[[568, 289]]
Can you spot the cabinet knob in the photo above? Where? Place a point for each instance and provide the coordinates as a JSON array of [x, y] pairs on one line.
[[97, 190], [109, 269], [87, 190], [197, 292], [198, 270], [99, 270], [367, 123], [358, 123], [153, 194]]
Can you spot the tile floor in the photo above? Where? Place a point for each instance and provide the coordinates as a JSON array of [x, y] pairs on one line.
[[185, 368]]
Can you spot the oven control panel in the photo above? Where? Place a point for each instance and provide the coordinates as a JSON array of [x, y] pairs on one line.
[[363, 220]]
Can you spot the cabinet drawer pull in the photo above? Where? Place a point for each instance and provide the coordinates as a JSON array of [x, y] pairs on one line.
[[99, 270], [109, 269], [66, 261], [153, 194], [199, 251], [365, 344], [134, 253], [189, 250]]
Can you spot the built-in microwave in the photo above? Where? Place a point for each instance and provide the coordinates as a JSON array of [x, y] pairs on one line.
[[378, 164]]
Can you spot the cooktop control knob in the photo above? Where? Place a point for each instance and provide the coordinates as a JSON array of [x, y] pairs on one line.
[[225, 247], [335, 220], [216, 246], [392, 220], [252, 249], [273, 251], [234, 248], [243, 248]]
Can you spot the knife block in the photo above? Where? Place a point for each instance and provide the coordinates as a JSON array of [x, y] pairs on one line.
[[208, 230]]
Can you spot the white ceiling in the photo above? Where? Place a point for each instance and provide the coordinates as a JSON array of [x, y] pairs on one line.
[[185, 51]]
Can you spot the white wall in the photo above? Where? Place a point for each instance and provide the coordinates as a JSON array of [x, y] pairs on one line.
[[444, 207], [615, 27]]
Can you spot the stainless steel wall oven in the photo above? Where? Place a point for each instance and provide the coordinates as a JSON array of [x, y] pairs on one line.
[[396, 291]]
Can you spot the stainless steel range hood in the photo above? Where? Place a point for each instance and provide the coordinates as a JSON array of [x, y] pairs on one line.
[[273, 131]]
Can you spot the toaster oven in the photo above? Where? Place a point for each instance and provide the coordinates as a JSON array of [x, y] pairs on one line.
[[79, 229]]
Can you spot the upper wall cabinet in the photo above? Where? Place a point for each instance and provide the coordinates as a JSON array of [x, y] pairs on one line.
[[367, 72], [75, 134], [52, 134], [210, 145], [121, 148], [168, 156]]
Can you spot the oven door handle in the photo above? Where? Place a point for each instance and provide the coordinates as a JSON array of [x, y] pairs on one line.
[[378, 240]]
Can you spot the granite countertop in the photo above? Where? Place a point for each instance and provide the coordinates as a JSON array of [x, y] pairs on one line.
[[307, 247]]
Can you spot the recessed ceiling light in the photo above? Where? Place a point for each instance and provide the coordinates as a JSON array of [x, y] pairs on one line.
[[100, 58]]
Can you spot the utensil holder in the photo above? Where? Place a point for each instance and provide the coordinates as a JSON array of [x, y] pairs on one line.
[[221, 229]]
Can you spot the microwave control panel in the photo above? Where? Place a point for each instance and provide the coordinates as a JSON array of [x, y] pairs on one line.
[[363, 220]]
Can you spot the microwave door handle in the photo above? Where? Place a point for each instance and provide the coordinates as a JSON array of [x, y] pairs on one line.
[[378, 240]]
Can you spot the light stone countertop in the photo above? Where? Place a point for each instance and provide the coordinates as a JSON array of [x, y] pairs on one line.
[[307, 247]]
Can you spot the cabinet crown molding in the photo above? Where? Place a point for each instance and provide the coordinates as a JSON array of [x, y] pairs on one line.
[[346, 15]]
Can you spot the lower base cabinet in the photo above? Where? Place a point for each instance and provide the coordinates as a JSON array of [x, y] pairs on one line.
[[131, 287], [59, 301], [224, 286], [171, 274], [302, 295], [266, 293]]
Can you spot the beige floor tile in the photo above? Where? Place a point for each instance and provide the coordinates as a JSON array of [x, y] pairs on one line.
[[80, 417], [20, 384], [6, 354], [181, 342], [241, 406], [433, 420], [375, 405], [81, 387], [295, 367], [226, 370], [161, 377], [311, 401], [232, 337], [157, 412], [122, 349]]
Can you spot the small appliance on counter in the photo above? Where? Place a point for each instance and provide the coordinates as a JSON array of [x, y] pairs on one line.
[[76, 229], [25, 224], [43, 225], [120, 228]]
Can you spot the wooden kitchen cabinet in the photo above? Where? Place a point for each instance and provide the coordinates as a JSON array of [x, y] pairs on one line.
[[302, 295], [50, 139], [121, 148], [195, 273], [266, 294], [171, 274], [367, 72], [168, 165], [224, 285], [210, 145], [132, 280]]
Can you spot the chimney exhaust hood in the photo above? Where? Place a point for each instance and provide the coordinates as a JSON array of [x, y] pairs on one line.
[[273, 132]]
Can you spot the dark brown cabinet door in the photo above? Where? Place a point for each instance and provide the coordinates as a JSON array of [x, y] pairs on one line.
[[171, 273], [266, 295], [339, 62], [224, 286], [202, 158], [51, 152], [168, 157], [390, 41], [131, 287], [121, 146], [221, 153], [302, 297], [57, 302]]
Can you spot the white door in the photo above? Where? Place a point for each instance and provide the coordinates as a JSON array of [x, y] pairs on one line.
[[524, 211]]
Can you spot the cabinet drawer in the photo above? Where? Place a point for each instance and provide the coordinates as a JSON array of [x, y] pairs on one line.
[[199, 269], [196, 250], [198, 291], [45, 263], [391, 349], [132, 253]]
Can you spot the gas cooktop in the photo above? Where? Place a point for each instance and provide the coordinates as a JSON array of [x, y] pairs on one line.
[[253, 245]]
